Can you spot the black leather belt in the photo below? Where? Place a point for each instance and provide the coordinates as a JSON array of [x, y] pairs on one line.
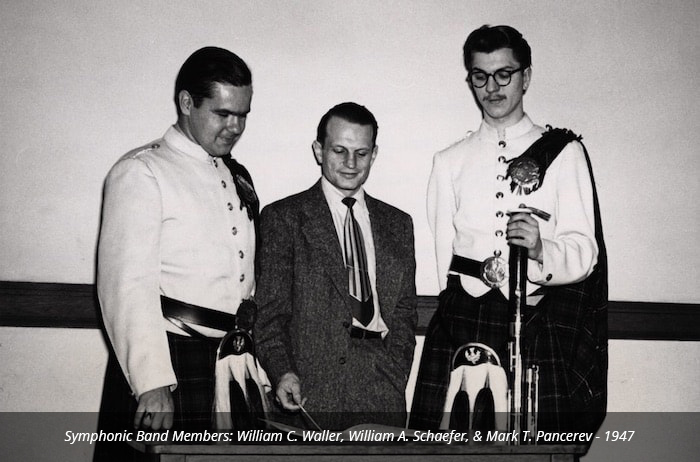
[[180, 313], [466, 266], [358, 332]]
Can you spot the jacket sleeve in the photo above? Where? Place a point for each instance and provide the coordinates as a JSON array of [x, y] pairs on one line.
[[274, 295], [441, 207], [571, 252], [401, 340], [128, 269]]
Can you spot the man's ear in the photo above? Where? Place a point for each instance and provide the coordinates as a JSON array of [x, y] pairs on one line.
[[185, 101], [318, 151], [375, 150], [527, 75]]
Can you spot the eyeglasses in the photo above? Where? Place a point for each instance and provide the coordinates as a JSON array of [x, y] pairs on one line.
[[502, 77]]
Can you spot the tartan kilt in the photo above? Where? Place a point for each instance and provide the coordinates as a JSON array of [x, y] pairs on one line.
[[558, 338], [193, 360]]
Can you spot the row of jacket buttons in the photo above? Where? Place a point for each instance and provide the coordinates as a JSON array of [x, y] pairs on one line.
[[499, 194], [234, 230]]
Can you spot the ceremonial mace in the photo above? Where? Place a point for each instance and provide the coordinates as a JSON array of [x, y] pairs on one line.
[[522, 406]]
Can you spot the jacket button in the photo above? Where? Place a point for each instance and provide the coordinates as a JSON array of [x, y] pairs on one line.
[[549, 277], [346, 324], [342, 360], [502, 144]]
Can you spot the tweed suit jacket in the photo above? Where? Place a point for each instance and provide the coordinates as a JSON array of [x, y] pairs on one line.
[[303, 310]]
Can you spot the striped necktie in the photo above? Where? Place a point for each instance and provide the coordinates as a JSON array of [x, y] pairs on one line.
[[356, 262]]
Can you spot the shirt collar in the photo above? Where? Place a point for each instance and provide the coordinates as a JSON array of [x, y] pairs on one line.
[[175, 138], [335, 197], [520, 128]]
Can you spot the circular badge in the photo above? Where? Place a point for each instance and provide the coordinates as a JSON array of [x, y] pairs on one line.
[[525, 175], [494, 272]]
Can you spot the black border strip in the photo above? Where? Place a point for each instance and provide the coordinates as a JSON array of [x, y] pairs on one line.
[[46, 304]]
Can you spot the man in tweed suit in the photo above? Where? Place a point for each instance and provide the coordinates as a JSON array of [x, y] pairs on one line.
[[316, 351], [476, 188]]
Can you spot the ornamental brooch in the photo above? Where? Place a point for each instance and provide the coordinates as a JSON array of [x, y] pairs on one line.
[[525, 175]]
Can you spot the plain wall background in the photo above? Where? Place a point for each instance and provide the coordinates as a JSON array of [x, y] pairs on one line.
[[84, 82]]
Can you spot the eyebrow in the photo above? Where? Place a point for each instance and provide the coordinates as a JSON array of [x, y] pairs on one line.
[[363, 148], [226, 111], [504, 68]]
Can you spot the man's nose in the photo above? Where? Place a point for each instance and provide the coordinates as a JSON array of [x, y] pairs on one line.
[[235, 124], [350, 160], [491, 84]]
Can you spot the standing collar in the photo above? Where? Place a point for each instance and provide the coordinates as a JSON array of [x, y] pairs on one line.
[[175, 138], [520, 128], [335, 197]]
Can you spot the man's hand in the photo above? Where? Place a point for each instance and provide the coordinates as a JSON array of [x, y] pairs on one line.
[[155, 409], [524, 230], [289, 392]]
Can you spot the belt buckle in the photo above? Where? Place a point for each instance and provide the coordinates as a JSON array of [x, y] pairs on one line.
[[494, 272], [363, 334]]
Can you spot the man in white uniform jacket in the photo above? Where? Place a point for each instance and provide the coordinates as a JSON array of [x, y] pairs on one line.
[[176, 258], [475, 189]]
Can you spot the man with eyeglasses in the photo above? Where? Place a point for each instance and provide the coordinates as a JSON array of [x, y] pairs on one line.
[[487, 193]]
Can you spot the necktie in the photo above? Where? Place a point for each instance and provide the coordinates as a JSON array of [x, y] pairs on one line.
[[356, 262]]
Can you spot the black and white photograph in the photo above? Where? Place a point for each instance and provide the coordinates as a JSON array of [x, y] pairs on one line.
[[350, 230]]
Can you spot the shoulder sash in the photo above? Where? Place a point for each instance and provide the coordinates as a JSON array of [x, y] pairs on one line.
[[527, 171]]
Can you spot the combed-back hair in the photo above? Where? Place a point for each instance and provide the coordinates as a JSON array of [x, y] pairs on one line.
[[351, 112], [207, 66], [488, 39]]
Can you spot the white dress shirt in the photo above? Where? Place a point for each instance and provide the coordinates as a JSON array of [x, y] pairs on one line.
[[171, 225], [339, 210], [468, 197]]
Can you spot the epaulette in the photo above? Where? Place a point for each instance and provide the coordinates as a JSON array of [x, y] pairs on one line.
[[461, 140], [145, 148]]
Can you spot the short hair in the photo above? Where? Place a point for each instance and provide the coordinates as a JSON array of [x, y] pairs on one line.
[[207, 66], [488, 39], [350, 112]]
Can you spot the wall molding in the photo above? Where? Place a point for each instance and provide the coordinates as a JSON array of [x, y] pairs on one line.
[[60, 305]]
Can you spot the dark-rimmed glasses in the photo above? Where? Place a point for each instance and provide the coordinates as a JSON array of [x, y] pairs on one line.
[[502, 77]]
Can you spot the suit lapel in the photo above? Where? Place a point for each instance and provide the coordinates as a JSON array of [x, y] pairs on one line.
[[386, 250], [321, 234]]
